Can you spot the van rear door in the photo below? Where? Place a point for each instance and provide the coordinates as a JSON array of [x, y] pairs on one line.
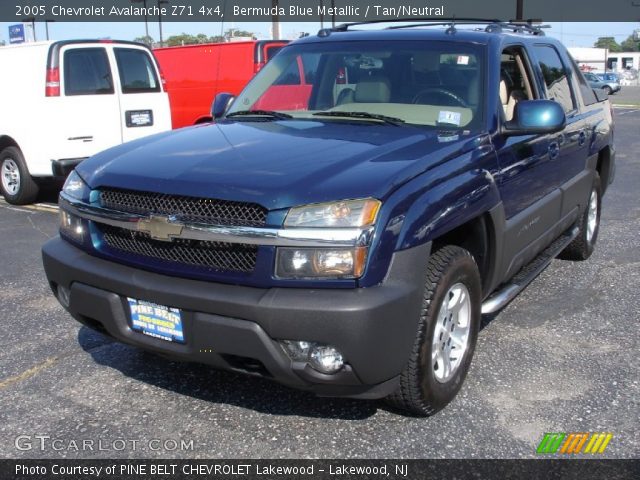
[[144, 105], [88, 116]]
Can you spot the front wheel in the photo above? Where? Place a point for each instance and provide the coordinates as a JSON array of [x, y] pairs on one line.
[[17, 185], [447, 333], [583, 245]]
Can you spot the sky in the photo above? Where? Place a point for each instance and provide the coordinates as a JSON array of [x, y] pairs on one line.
[[572, 34]]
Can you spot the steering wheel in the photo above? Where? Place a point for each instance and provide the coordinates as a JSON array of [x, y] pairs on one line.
[[439, 92]]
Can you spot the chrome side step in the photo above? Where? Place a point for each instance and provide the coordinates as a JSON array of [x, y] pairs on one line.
[[527, 274]]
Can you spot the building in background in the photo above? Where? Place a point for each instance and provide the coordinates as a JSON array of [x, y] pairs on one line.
[[625, 64], [620, 61], [589, 58]]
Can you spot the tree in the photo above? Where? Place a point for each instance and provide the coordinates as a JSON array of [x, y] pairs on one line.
[[147, 40], [186, 39], [608, 43], [200, 38], [630, 45], [234, 32]]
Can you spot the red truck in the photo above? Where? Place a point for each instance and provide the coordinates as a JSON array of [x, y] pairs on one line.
[[194, 74]]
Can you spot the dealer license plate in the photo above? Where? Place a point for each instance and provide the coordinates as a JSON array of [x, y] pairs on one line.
[[156, 320]]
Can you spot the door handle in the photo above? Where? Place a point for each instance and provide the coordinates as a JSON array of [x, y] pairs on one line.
[[582, 138], [554, 150], [85, 138]]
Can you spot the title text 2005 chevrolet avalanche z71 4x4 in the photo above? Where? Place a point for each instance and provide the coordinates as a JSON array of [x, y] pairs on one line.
[[344, 234]]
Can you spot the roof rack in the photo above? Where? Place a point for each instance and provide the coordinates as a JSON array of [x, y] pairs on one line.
[[531, 26]]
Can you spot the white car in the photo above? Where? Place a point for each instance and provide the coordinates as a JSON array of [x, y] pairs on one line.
[[65, 101]]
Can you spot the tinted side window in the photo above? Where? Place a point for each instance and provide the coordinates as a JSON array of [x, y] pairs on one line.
[[291, 76], [555, 76], [588, 97], [137, 74], [272, 51], [87, 72], [310, 64]]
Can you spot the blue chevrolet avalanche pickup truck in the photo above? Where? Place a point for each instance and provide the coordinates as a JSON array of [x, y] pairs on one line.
[[342, 224]]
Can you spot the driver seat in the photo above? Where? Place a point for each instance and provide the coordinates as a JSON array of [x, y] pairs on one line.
[[509, 99]]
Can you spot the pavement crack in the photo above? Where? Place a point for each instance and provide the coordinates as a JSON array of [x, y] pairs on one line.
[[48, 362], [28, 373], [38, 228]]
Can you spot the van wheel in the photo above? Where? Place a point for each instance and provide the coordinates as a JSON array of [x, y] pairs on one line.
[[583, 245], [447, 333], [17, 185]]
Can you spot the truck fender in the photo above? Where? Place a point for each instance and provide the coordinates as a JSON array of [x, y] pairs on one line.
[[448, 205]]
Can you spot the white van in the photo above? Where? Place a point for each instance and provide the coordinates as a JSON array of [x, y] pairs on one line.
[[61, 102]]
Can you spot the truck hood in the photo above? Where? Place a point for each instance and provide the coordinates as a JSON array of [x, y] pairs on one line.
[[277, 164]]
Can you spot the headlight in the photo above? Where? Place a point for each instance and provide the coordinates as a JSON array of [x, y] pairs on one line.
[[320, 262], [348, 213], [75, 187], [73, 227]]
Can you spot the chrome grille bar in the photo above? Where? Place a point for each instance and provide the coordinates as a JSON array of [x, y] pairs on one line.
[[280, 237]]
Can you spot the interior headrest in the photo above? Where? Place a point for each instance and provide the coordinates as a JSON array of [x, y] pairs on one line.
[[373, 90], [504, 94]]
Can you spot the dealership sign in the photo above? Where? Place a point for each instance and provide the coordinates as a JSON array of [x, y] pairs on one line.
[[16, 33]]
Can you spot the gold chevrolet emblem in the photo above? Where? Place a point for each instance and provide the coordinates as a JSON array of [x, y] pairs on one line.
[[160, 228]]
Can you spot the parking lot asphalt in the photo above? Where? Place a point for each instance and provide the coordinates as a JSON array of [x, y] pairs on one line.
[[562, 357], [629, 95]]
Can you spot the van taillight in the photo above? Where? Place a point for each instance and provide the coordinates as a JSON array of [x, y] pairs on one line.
[[52, 85]]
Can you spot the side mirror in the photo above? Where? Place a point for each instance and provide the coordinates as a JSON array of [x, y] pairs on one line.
[[220, 104], [536, 116], [601, 95]]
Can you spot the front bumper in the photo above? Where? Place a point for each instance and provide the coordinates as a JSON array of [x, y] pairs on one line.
[[63, 167], [236, 327]]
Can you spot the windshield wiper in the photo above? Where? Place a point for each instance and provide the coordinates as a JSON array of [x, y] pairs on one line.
[[363, 115], [260, 113]]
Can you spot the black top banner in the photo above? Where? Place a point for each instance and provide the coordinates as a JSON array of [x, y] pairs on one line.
[[315, 10]]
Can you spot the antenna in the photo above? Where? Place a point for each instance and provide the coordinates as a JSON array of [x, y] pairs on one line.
[[452, 28]]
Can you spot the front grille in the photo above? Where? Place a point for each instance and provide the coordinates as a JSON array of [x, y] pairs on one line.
[[217, 256], [189, 209]]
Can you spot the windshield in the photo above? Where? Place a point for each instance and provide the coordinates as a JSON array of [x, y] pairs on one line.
[[426, 83]]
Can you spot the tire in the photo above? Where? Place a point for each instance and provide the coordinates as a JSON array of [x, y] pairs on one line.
[[607, 90], [583, 245], [425, 387], [18, 188]]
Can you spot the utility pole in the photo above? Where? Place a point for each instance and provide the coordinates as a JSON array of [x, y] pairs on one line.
[[333, 13], [275, 21], [161, 2], [520, 10], [146, 19]]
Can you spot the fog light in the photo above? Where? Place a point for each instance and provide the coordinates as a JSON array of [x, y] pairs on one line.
[[326, 359], [323, 358], [64, 296]]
